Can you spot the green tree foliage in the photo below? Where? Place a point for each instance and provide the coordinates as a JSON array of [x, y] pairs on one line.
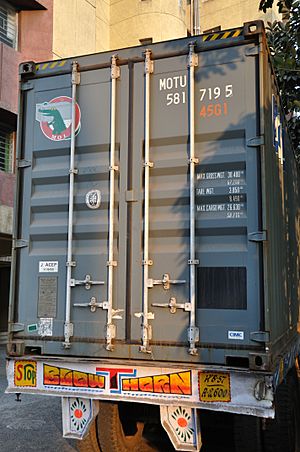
[[284, 43], [282, 5]]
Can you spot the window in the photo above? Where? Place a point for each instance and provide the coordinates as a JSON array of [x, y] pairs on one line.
[[6, 151], [8, 25]]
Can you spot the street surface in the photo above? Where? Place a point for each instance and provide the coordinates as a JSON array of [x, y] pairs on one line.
[[34, 424]]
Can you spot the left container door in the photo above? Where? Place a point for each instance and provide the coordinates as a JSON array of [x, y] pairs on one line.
[[44, 214]]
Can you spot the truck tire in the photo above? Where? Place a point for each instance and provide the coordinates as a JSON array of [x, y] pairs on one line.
[[247, 433], [90, 442], [107, 435], [282, 433]]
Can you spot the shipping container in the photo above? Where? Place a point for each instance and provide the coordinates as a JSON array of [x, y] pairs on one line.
[[156, 240]]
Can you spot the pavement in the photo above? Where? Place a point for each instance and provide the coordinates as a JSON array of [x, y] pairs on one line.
[[34, 424]]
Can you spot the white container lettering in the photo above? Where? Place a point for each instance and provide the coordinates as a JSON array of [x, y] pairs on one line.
[[171, 84], [178, 81]]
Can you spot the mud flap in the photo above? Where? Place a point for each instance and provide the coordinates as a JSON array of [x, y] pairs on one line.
[[77, 416], [183, 427]]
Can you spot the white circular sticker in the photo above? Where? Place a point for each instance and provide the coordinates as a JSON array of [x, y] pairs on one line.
[[93, 199]]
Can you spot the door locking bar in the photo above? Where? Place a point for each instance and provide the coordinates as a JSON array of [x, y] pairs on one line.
[[173, 305], [193, 331], [68, 325], [146, 315], [94, 305], [113, 168], [87, 282], [165, 281]]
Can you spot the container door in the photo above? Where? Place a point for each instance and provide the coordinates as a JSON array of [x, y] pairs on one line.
[[228, 199], [46, 218], [168, 192], [226, 191]]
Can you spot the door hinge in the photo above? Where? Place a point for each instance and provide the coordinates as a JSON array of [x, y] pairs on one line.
[[26, 86], [256, 141], [193, 334], [20, 243], [260, 236], [16, 327], [252, 51], [23, 163], [260, 336]]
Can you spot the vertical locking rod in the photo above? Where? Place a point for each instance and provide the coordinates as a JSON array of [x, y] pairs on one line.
[[110, 327], [146, 328], [68, 326], [193, 332]]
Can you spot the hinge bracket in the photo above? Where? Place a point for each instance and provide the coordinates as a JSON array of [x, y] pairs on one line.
[[26, 86], [252, 51], [20, 243], [256, 141], [16, 327], [260, 236], [23, 163], [260, 336]]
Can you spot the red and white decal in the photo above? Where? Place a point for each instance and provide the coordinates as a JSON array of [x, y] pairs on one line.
[[55, 118]]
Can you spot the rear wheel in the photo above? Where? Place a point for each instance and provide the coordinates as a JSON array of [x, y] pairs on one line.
[[282, 433], [90, 442], [114, 431], [247, 433], [113, 437]]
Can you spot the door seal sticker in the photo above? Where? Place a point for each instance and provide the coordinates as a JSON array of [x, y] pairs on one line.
[[32, 328], [45, 327]]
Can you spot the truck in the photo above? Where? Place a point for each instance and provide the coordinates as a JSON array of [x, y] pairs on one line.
[[155, 266]]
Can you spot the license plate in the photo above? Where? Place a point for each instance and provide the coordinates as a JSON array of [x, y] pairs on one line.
[[214, 387]]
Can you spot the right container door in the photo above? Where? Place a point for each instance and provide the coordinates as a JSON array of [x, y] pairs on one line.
[[228, 229]]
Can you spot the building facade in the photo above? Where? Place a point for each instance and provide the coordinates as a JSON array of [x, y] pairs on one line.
[[89, 26], [222, 14]]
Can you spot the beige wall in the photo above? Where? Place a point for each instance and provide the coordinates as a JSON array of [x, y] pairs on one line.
[[80, 27], [132, 20], [232, 13], [89, 26]]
